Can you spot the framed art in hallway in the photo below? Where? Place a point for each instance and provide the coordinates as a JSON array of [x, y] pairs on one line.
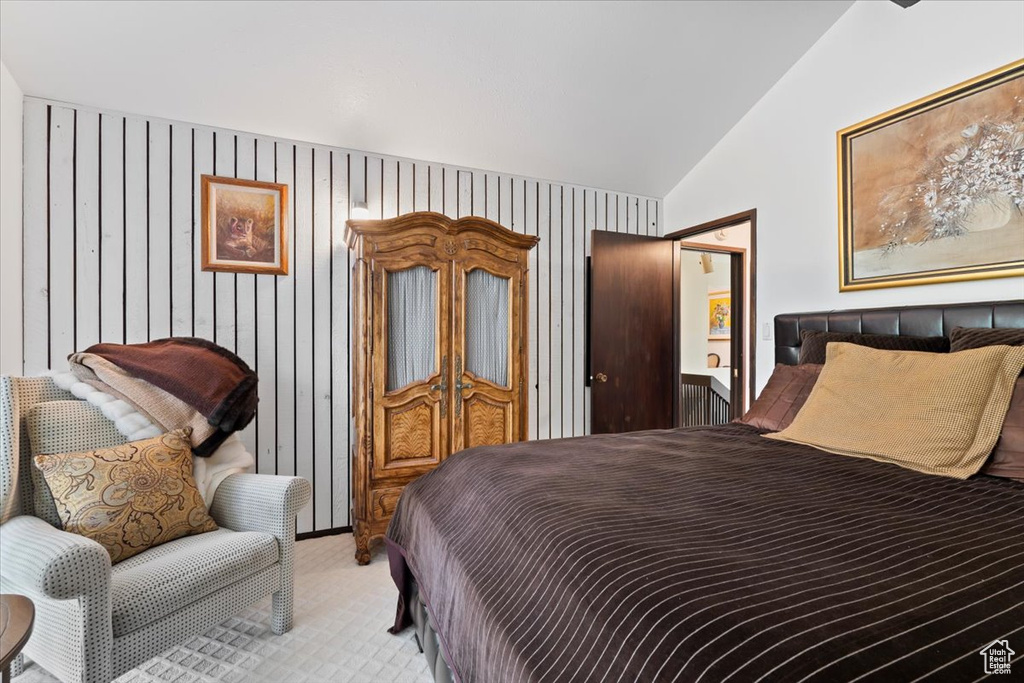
[[244, 228], [720, 315], [933, 191]]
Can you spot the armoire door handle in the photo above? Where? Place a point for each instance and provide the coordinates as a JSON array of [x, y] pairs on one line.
[[459, 385], [443, 386]]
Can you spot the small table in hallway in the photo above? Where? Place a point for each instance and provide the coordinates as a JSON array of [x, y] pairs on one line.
[[17, 615]]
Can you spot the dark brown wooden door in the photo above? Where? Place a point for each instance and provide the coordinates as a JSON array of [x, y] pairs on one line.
[[632, 336]]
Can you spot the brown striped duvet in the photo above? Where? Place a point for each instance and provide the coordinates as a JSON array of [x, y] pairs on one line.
[[710, 554]]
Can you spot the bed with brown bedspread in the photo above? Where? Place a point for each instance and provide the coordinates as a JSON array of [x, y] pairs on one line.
[[714, 554], [708, 554]]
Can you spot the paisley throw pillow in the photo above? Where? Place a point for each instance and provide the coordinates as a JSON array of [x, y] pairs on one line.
[[130, 497]]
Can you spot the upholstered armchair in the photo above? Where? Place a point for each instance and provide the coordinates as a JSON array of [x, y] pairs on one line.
[[95, 621]]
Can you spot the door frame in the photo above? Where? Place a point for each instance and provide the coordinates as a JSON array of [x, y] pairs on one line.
[[738, 399], [749, 216]]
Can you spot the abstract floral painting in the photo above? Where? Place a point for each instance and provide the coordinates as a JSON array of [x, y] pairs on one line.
[[934, 191], [244, 226], [720, 315]]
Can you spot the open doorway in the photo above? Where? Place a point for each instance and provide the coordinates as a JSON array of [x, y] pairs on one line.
[[717, 319], [634, 328], [710, 379]]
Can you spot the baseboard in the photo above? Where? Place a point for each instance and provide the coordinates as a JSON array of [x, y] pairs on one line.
[[336, 531]]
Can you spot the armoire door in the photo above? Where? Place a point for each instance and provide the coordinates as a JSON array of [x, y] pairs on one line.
[[410, 373], [486, 337]]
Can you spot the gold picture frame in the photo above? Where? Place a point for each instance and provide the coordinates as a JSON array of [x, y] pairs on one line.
[[244, 228], [923, 192]]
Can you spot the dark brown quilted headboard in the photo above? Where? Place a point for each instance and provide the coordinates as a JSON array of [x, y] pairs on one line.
[[915, 321]]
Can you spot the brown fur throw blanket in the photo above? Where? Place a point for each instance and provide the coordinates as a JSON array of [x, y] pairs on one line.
[[180, 381]]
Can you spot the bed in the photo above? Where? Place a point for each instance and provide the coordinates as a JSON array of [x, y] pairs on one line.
[[712, 554]]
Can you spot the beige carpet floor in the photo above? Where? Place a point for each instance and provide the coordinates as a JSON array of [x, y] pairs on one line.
[[342, 612]]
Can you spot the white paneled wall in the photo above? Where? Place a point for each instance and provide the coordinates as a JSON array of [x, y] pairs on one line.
[[111, 253]]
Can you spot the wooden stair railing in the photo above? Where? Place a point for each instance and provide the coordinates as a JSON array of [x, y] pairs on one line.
[[703, 400]]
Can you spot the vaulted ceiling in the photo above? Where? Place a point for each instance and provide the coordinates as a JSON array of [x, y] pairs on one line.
[[619, 95]]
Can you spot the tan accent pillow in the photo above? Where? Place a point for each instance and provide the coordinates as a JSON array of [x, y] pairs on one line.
[[782, 397], [930, 412], [130, 497]]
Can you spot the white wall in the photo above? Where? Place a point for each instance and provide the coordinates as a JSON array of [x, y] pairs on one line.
[[11, 99], [112, 219], [694, 287], [781, 157]]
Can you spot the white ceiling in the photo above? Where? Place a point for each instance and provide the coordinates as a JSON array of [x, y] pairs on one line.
[[619, 95]]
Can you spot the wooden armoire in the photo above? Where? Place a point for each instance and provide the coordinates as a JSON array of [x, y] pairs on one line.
[[440, 334]]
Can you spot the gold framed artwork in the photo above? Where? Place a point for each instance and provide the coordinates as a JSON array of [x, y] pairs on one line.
[[933, 191], [720, 315], [243, 227]]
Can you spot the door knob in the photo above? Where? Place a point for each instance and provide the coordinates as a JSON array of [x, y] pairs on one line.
[[601, 377]]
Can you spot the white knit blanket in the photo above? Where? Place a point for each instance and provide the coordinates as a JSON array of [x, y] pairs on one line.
[[230, 458]]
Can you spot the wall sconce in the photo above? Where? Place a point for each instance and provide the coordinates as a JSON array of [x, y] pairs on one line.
[[706, 263], [720, 235], [360, 211]]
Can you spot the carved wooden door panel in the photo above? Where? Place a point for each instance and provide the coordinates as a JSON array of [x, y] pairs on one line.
[[410, 373], [486, 343]]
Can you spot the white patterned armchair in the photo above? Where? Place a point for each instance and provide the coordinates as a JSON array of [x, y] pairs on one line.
[[94, 621]]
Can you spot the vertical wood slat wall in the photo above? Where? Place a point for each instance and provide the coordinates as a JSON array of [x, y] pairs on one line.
[[111, 253]]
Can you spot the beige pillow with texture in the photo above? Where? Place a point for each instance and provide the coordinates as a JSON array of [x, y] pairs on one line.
[[937, 413], [130, 497]]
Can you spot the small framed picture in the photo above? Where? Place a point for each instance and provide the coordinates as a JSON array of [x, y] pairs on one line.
[[244, 229], [720, 315]]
